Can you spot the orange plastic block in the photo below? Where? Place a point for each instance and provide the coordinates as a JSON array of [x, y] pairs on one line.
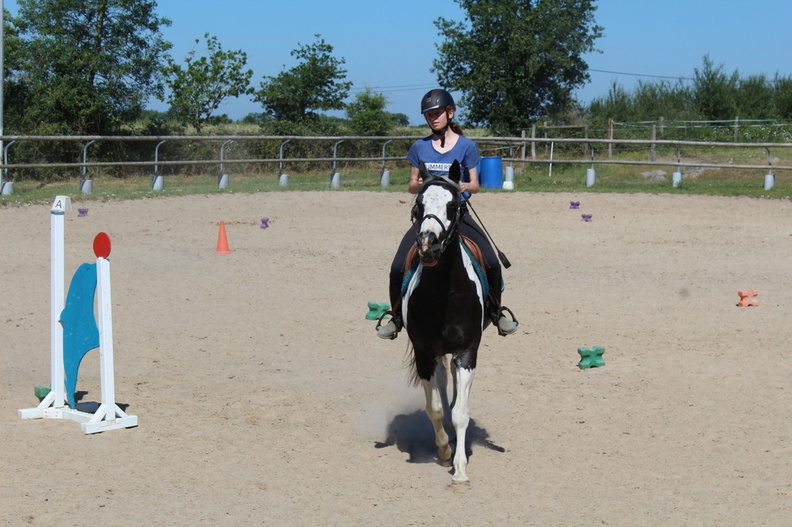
[[748, 298]]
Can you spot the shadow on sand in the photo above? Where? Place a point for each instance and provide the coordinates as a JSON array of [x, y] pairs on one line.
[[413, 434]]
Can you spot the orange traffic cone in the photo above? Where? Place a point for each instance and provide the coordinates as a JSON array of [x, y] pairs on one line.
[[222, 241]]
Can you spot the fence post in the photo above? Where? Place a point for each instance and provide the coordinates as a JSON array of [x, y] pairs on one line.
[[385, 175], [610, 136], [736, 129], [653, 148], [585, 145], [86, 185], [335, 177], [6, 186], [769, 179], [533, 143], [283, 179], [158, 182], [222, 179]]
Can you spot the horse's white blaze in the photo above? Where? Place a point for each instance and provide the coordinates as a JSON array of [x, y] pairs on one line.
[[471, 272], [435, 201]]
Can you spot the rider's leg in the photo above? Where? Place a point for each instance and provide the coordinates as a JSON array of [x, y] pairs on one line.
[[395, 324], [505, 325]]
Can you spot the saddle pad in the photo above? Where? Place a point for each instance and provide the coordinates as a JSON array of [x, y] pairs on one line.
[[473, 250]]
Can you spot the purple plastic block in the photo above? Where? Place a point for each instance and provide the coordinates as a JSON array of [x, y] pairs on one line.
[[585, 217], [82, 212], [264, 223], [574, 204]]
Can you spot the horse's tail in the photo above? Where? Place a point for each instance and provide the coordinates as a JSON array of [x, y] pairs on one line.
[[409, 361]]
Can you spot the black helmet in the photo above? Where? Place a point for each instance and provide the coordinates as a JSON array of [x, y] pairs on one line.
[[436, 99]]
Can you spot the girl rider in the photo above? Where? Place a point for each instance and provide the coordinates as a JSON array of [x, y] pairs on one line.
[[438, 151]]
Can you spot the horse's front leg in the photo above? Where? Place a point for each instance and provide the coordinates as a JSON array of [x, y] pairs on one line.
[[460, 417], [434, 409]]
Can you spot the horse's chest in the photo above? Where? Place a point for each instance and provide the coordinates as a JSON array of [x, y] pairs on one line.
[[441, 299]]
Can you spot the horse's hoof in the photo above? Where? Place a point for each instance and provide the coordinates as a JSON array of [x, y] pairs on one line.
[[461, 482]]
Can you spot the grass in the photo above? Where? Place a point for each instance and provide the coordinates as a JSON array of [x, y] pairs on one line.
[[532, 177]]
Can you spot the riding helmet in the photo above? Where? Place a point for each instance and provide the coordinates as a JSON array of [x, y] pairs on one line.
[[435, 99]]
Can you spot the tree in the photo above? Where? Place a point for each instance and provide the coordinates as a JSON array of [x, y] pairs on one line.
[[205, 82], [714, 92], [88, 66], [516, 60], [782, 87], [367, 114], [315, 83], [755, 98]]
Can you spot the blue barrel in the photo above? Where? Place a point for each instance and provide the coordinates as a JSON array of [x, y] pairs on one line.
[[491, 172]]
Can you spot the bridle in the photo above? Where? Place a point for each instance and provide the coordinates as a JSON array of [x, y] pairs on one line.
[[447, 234]]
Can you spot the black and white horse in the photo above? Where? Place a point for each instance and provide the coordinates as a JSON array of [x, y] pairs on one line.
[[444, 309]]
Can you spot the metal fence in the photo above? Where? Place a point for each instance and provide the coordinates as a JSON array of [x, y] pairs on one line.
[[274, 152]]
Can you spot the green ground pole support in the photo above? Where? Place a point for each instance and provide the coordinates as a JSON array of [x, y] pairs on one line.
[[591, 358], [376, 311]]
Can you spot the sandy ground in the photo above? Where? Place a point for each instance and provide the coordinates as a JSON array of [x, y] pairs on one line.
[[265, 398]]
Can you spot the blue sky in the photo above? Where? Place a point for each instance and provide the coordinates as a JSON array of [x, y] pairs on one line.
[[390, 46]]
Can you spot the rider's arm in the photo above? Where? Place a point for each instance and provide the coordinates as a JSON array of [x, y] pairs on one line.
[[415, 180], [473, 185]]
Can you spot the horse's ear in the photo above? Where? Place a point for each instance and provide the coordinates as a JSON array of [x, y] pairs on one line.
[[423, 173], [455, 172]]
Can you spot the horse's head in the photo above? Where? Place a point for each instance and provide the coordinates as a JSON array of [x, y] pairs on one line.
[[437, 208]]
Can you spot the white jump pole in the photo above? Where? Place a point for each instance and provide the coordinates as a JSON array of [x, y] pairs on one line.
[[56, 398], [108, 416]]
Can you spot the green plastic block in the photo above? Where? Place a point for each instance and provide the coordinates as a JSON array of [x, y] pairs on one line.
[[591, 358], [376, 311], [41, 391]]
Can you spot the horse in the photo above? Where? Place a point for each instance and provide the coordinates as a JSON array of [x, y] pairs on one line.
[[444, 311]]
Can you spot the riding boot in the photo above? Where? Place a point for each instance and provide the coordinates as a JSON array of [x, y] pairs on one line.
[[497, 312], [391, 330]]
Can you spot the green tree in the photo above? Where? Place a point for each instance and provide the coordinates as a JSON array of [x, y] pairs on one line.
[[367, 115], [88, 66], [782, 87], [315, 83], [516, 60], [755, 98], [201, 86], [714, 92]]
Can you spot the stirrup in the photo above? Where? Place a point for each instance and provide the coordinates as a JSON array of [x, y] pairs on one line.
[[385, 332], [501, 315]]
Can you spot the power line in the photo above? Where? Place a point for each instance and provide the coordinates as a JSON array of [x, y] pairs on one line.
[[405, 87], [642, 75]]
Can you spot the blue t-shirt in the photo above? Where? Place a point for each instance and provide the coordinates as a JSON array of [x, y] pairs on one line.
[[465, 151]]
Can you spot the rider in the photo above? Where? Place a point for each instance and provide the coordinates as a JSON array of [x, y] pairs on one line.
[[438, 151]]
